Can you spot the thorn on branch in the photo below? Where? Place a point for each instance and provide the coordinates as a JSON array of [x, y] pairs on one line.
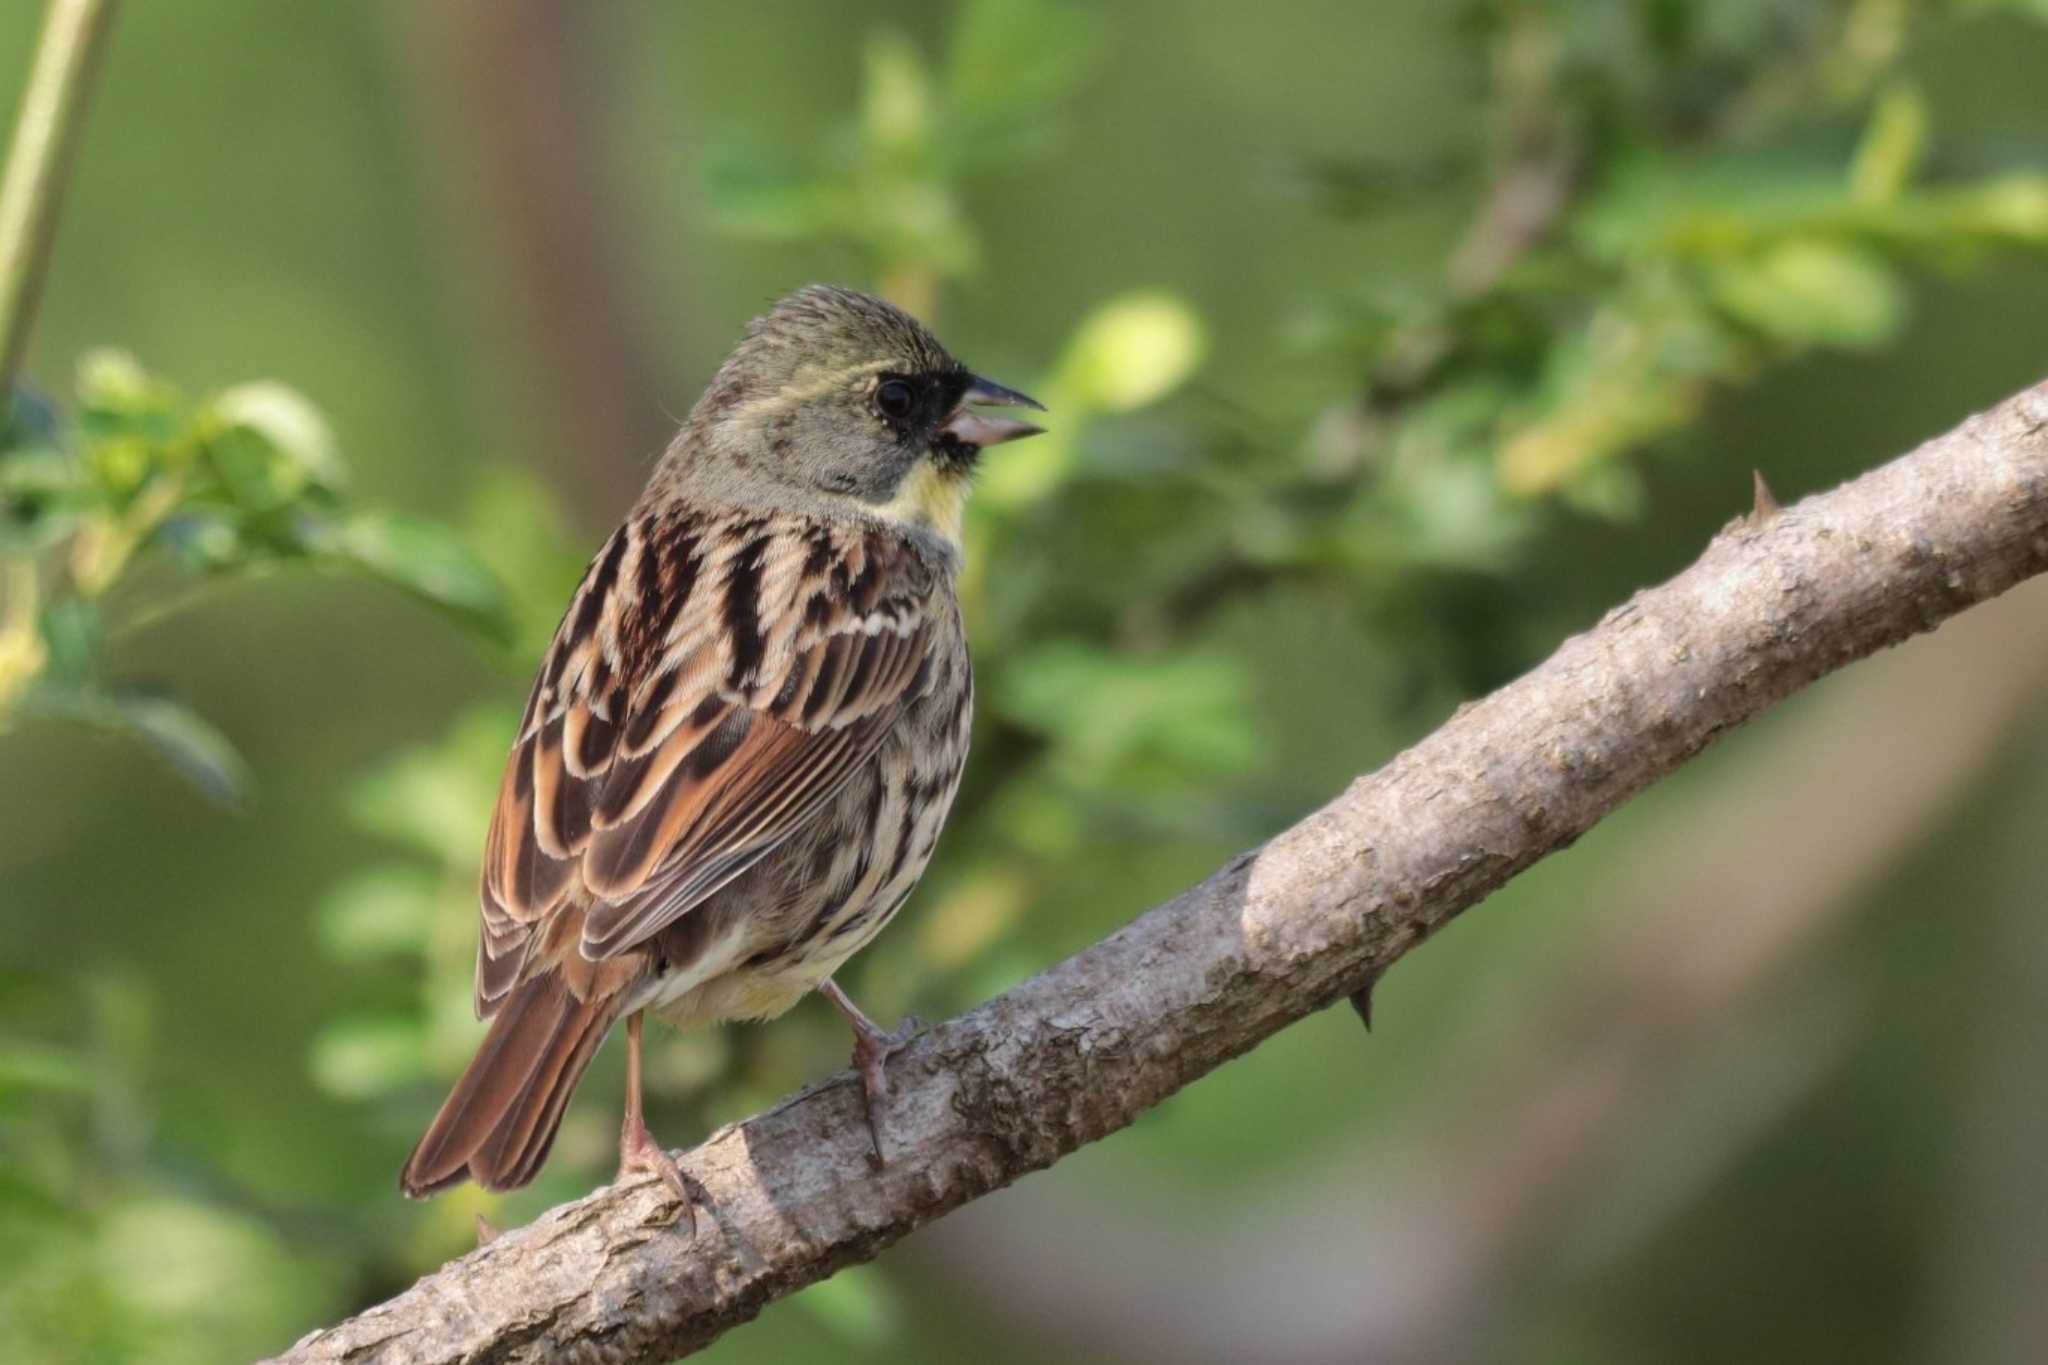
[[1766, 502], [1361, 1000]]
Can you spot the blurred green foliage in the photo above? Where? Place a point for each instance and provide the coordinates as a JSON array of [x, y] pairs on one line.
[[889, 183], [116, 511], [1353, 413], [242, 483]]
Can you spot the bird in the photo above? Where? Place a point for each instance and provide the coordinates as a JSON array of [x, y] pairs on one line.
[[745, 736]]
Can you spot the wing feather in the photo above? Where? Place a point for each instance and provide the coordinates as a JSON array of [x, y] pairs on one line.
[[713, 685]]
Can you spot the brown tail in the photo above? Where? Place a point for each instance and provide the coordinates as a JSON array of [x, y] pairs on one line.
[[499, 1121]]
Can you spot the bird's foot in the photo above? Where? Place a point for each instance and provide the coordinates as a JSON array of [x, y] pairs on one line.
[[640, 1154], [872, 1049]]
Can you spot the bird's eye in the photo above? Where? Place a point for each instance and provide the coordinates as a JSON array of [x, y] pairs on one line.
[[895, 398]]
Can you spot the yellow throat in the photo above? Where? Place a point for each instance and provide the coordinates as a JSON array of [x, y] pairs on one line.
[[932, 496]]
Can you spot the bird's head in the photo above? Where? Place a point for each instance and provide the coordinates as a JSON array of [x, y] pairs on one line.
[[838, 398]]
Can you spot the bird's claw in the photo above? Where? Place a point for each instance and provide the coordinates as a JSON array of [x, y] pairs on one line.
[[871, 1053], [644, 1156]]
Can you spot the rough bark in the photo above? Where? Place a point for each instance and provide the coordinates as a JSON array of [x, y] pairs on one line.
[[1317, 914]]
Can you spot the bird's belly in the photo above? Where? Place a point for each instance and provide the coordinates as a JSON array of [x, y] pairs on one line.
[[730, 982], [780, 929]]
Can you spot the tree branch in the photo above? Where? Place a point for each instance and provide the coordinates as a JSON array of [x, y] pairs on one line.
[[1318, 913]]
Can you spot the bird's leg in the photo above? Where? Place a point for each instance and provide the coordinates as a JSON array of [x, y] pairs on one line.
[[639, 1153], [872, 1047]]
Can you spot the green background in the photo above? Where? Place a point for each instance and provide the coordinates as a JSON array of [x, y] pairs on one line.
[[1751, 1072]]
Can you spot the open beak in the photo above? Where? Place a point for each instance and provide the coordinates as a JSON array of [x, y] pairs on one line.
[[981, 429]]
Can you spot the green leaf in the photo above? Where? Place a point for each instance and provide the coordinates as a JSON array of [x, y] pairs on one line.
[[1131, 352], [188, 741], [420, 558], [74, 634], [118, 400], [288, 423], [897, 104], [1128, 353], [200, 754], [268, 448], [1893, 145], [1815, 292], [206, 540], [2011, 210]]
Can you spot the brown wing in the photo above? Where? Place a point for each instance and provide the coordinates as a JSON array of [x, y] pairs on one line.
[[714, 683]]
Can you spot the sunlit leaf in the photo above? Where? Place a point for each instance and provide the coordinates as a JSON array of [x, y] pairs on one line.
[[268, 446], [897, 103], [290, 425], [1815, 292], [1128, 353], [2011, 210], [1893, 145], [1132, 351], [113, 385]]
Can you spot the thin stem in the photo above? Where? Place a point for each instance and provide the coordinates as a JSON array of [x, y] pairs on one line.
[[39, 160]]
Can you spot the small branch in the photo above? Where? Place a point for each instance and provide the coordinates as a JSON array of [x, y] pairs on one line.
[[39, 160], [1079, 1051]]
